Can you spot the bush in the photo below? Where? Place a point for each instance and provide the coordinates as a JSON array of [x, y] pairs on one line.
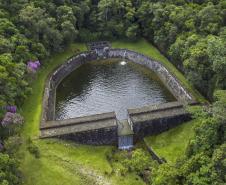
[[33, 149], [138, 162], [134, 161], [12, 145], [120, 169], [9, 173]]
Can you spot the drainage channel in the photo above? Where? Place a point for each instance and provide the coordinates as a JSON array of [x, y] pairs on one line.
[[125, 135]]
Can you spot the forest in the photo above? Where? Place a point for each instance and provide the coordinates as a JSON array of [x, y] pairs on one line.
[[190, 33]]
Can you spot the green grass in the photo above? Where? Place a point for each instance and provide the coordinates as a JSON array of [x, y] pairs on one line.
[[32, 107], [172, 144], [63, 162], [142, 46]]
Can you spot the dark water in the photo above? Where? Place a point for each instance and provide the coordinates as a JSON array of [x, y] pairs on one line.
[[106, 86]]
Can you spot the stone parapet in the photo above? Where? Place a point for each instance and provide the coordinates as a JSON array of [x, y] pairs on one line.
[[167, 78], [104, 128]]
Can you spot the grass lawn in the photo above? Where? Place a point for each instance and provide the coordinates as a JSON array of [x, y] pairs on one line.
[[172, 144], [63, 162]]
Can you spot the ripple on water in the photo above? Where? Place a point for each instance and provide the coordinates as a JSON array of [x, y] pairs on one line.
[[106, 86]]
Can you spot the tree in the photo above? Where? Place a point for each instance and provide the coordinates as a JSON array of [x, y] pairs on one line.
[[30, 16], [210, 19], [39, 51], [217, 55], [65, 13], [13, 87], [7, 28], [22, 54], [132, 32], [5, 45]]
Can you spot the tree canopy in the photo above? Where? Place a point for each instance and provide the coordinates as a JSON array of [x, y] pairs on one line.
[[192, 34]]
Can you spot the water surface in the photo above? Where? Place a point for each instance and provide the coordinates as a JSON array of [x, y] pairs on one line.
[[108, 85]]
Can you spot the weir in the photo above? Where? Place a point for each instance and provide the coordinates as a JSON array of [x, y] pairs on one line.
[[104, 128], [125, 135]]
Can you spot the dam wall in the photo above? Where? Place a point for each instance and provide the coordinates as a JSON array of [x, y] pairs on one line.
[[103, 128], [99, 129]]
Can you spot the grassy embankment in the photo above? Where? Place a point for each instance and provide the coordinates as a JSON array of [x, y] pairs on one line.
[[63, 162], [170, 144]]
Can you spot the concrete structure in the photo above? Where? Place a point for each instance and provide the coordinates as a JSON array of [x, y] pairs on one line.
[[96, 129], [125, 135], [167, 78], [105, 128], [154, 119]]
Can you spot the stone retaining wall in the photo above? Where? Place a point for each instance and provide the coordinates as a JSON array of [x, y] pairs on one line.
[[157, 126], [108, 135], [105, 136], [48, 112], [155, 119], [168, 79]]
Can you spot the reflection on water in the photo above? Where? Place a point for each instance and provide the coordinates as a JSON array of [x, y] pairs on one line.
[[108, 85]]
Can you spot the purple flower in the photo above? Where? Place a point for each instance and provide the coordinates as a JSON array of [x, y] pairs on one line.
[[12, 118], [37, 63], [33, 66], [10, 108]]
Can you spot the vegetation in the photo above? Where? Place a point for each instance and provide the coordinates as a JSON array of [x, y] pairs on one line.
[[172, 144], [204, 161], [192, 34], [62, 162]]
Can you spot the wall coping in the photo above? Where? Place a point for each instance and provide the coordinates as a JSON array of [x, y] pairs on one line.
[[47, 119], [79, 120]]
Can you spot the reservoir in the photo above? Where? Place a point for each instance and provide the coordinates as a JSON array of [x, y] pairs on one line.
[[108, 85]]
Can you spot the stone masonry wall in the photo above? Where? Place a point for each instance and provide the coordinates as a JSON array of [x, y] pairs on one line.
[[109, 135], [157, 126], [105, 136], [55, 78], [168, 79]]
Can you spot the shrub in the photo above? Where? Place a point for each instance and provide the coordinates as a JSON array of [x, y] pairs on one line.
[[138, 162], [12, 118], [9, 173], [11, 124], [33, 149], [120, 169], [12, 144]]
